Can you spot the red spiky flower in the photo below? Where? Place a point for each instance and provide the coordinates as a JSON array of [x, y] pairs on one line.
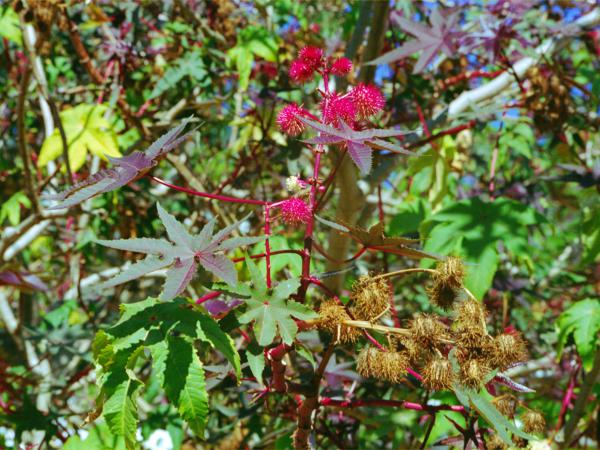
[[368, 100], [335, 107], [313, 56], [300, 71], [288, 121], [341, 66], [295, 211]]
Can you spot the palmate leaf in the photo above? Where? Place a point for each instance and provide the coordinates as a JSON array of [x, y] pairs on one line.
[[169, 331], [440, 37], [126, 169], [181, 255], [582, 320], [359, 143], [273, 312]]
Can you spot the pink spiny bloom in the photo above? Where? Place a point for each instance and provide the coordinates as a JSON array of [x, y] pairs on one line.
[[368, 100], [288, 121], [335, 107], [341, 66], [313, 56], [295, 211], [300, 71]]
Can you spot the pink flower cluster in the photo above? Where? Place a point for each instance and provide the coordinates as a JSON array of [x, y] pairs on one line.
[[360, 103], [295, 211]]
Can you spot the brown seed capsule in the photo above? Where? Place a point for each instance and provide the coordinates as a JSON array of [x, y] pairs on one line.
[[370, 297], [393, 366], [507, 349], [438, 374], [447, 279], [506, 404], [495, 442], [367, 363], [472, 373], [331, 319], [427, 330], [533, 421]]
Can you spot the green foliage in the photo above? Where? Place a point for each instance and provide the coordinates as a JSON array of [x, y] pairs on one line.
[[252, 42], [189, 65], [473, 229], [271, 309], [582, 321], [11, 208], [86, 129], [9, 25], [170, 332]]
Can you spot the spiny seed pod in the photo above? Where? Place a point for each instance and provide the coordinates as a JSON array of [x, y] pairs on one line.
[[368, 362], [438, 374], [533, 421], [470, 312], [447, 279], [393, 366], [469, 325], [427, 330], [495, 442], [472, 373], [370, 297], [506, 404], [331, 319], [508, 349]]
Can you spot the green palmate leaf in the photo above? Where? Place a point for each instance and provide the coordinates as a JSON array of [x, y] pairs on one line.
[[582, 320], [189, 65], [184, 383], [256, 361], [473, 229], [168, 332], [86, 130]]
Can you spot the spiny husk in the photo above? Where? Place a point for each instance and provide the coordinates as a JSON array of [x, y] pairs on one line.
[[427, 330], [469, 325], [506, 404], [472, 373], [495, 442], [375, 363], [370, 297], [508, 349], [533, 421], [447, 280], [331, 319], [438, 374]]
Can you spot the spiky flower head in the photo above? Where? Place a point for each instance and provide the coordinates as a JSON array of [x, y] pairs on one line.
[[427, 330], [368, 100], [533, 421], [341, 66], [495, 442], [389, 366], [508, 349], [295, 211], [438, 374], [288, 121], [331, 319], [300, 71], [506, 404], [312, 56], [338, 107], [447, 279], [472, 373], [370, 297]]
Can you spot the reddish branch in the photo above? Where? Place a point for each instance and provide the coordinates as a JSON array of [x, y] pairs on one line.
[[389, 403], [468, 75]]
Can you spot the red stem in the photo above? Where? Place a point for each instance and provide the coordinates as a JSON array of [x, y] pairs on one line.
[[327, 401], [222, 198], [268, 246]]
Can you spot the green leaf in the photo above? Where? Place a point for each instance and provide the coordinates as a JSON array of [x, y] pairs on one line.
[[473, 229], [9, 25], [582, 320], [11, 208], [494, 418], [189, 65], [212, 333], [120, 410], [86, 130], [99, 437], [275, 315], [184, 383], [256, 361]]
